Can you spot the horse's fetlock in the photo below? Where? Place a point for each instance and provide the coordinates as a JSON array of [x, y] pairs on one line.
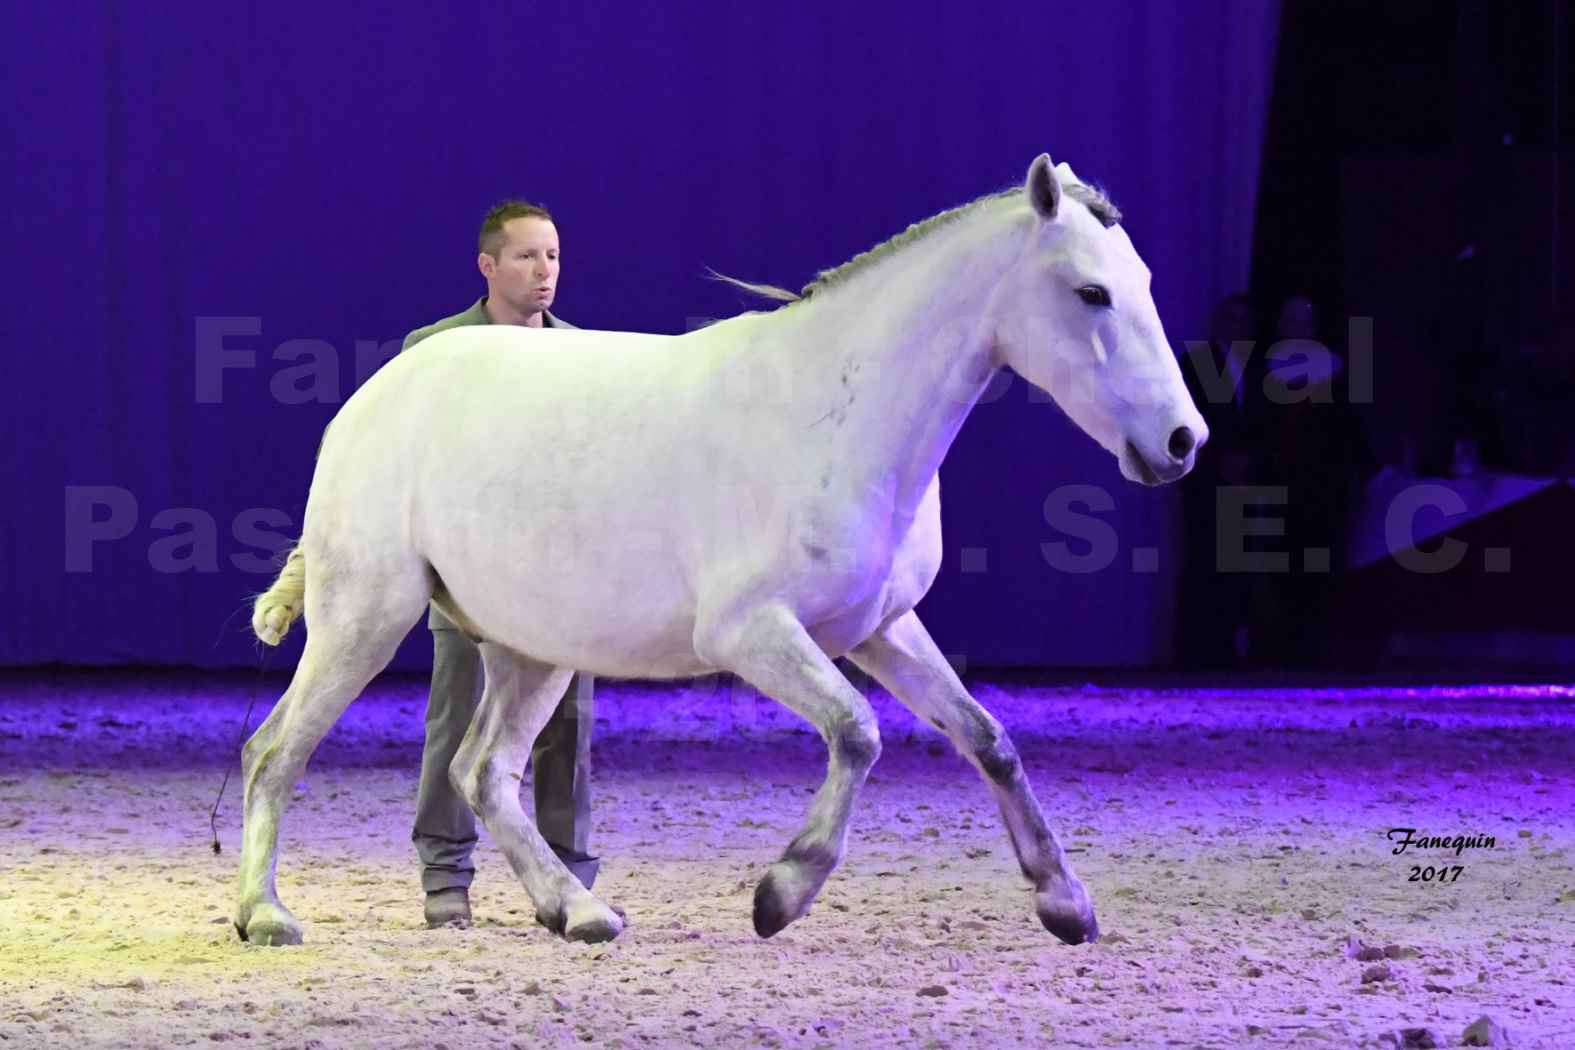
[[818, 856]]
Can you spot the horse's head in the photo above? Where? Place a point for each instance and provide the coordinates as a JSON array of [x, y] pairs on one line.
[[1074, 317]]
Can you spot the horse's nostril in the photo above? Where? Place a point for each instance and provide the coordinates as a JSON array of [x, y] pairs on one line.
[[1181, 443]]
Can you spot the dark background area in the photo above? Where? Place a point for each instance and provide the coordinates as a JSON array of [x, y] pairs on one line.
[[308, 181], [1416, 186], [1417, 171]]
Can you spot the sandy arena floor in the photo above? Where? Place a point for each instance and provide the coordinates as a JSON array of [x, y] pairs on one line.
[[1233, 839]]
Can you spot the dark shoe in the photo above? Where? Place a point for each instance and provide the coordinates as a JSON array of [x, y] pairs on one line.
[[582, 866], [448, 907]]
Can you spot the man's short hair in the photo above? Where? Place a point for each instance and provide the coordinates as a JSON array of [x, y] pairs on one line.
[[491, 240]]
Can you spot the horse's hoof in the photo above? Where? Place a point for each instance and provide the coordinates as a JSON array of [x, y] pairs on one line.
[[770, 917], [274, 934], [1071, 929], [781, 898], [1070, 916], [592, 922], [270, 926]]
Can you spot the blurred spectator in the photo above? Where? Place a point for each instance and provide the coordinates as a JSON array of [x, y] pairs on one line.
[[1465, 370], [1533, 406], [1224, 378], [1312, 446]]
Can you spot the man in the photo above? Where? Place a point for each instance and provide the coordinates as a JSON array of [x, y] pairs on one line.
[[1315, 451], [519, 259]]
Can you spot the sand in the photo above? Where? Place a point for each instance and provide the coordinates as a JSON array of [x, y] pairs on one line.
[[1234, 840]]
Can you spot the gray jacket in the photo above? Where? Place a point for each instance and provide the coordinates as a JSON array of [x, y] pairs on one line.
[[477, 314]]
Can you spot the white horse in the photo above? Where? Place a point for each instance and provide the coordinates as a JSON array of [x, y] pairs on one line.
[[758, 497]]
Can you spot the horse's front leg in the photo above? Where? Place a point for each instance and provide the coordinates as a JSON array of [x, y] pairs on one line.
[[519, 698], [768, 647], [904, 659]]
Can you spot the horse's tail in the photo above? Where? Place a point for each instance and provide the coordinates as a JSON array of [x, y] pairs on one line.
[[277, 607]]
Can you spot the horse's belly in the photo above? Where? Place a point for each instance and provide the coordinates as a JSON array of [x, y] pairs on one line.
[[605, 623], [614, 646]]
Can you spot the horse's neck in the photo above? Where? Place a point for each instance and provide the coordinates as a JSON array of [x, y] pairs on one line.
[[905, 351]]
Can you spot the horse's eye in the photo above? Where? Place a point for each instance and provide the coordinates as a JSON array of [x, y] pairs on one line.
[[1094, 295]]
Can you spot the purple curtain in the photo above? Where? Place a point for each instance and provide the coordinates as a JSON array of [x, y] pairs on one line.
[[218, 219]]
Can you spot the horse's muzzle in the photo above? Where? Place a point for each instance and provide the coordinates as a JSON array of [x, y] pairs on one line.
[[1138, 468]]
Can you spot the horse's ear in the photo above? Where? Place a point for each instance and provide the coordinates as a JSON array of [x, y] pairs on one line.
[[1044, 189]]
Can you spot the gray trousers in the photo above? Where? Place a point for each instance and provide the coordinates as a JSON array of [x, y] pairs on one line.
[[445, 829]]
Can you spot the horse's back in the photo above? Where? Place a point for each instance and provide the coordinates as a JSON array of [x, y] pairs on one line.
[[464, 391]]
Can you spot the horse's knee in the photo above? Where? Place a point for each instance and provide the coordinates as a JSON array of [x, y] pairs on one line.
[[858, 744]]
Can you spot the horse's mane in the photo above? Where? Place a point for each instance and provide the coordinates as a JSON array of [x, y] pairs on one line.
[[830, 278], [1095, 200], [1091, 197]]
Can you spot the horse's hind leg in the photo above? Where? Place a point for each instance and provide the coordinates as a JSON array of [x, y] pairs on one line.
[[904, 659], [354, 625], [771, 650], [519, 698]]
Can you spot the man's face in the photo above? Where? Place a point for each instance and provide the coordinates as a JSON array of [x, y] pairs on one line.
[[525, 273]]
